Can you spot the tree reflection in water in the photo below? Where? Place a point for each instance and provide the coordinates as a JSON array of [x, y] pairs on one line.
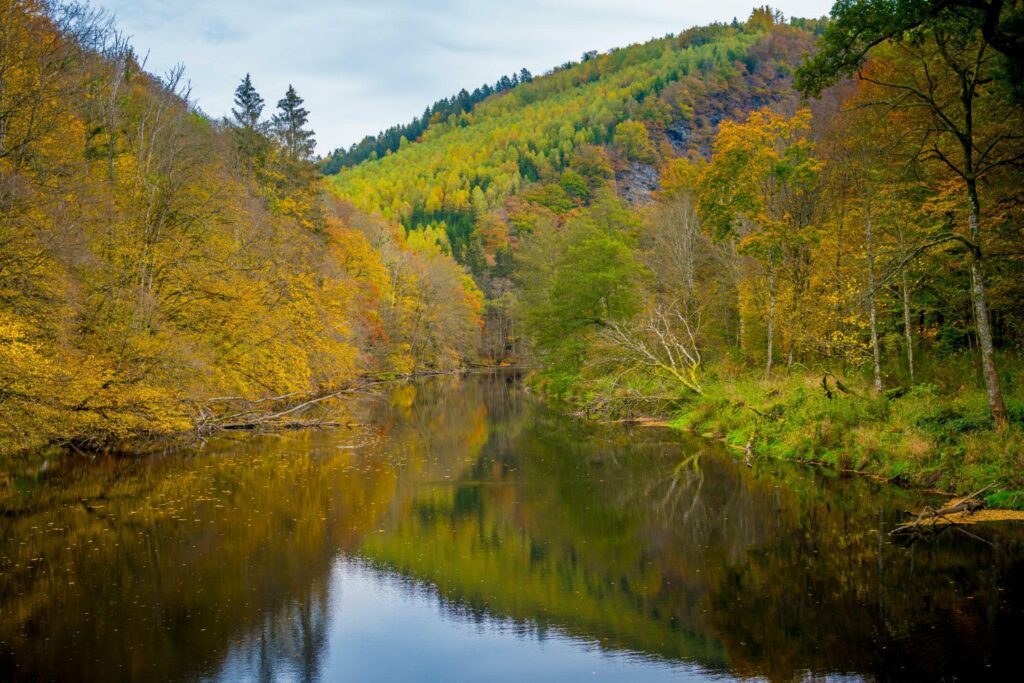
[[500, 511], [287, 645]]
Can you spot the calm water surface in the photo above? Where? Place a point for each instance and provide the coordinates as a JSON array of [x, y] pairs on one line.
[[468, 533]]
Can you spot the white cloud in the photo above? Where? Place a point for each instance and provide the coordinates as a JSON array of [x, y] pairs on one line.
[[363, 66]]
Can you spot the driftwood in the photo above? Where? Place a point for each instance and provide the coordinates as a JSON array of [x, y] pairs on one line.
[[293, 410], [928, 518], [287, 411], [748, 450], [638, 421]]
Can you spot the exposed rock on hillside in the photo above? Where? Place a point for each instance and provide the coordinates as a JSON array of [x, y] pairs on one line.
[[636, 183]]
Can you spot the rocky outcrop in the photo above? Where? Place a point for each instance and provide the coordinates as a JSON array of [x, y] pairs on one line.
[[636, 182], [678, 135]]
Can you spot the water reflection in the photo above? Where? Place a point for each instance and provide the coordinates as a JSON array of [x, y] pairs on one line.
[[471, 531]]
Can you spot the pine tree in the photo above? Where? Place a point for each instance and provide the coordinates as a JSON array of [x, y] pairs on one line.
[[249, 132], [289, 126], [249, 103], [525, 76]]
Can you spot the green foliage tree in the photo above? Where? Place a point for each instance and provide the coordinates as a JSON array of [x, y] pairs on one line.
[[859, 26], [633, 139], [289, 125], [248, 105], [577, 280], [249, 130]]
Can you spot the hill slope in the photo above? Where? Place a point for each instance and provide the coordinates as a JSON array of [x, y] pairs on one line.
[[676, 88]]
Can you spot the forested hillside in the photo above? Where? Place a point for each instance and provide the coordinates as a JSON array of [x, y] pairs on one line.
[[640, 100], [801, 236], [825, 268], [152, 258], [388, 141], [269, 414]]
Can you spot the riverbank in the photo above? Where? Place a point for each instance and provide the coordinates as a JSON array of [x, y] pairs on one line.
[[205, 418], [918, 436]]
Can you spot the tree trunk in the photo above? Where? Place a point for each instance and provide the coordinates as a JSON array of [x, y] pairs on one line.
[[771, 316], [988, 365], [968, 84], [875, 350], [740, 328], [907, 332]]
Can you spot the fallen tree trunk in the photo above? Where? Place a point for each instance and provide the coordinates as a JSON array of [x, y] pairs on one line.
[[287, 411], [930, 516], [291, 410]]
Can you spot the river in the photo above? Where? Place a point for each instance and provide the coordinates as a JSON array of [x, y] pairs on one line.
[[468, 532]]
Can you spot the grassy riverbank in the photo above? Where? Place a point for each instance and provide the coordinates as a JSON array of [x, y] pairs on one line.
[[926, 435]]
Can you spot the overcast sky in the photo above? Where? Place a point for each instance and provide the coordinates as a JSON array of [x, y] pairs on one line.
[[363, 65]]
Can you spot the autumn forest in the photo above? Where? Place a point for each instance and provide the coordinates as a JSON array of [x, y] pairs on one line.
[[802, 236], [696, 358]]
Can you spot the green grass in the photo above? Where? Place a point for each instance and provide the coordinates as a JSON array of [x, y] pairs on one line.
[[938, 434]]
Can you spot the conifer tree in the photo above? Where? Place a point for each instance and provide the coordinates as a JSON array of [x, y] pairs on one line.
[[290, 126], [249, 132], [249, 103]]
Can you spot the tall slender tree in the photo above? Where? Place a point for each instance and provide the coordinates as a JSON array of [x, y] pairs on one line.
[[289, 125], [249, 105], [249, 131]]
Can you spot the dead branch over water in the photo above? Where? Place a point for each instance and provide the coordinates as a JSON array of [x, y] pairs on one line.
[[295, 410], [929, 518]]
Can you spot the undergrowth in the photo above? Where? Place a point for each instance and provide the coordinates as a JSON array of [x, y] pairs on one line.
[[922, 435], [936, 434]]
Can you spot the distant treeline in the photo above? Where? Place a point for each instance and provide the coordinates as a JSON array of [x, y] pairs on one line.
[[372, 147]]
